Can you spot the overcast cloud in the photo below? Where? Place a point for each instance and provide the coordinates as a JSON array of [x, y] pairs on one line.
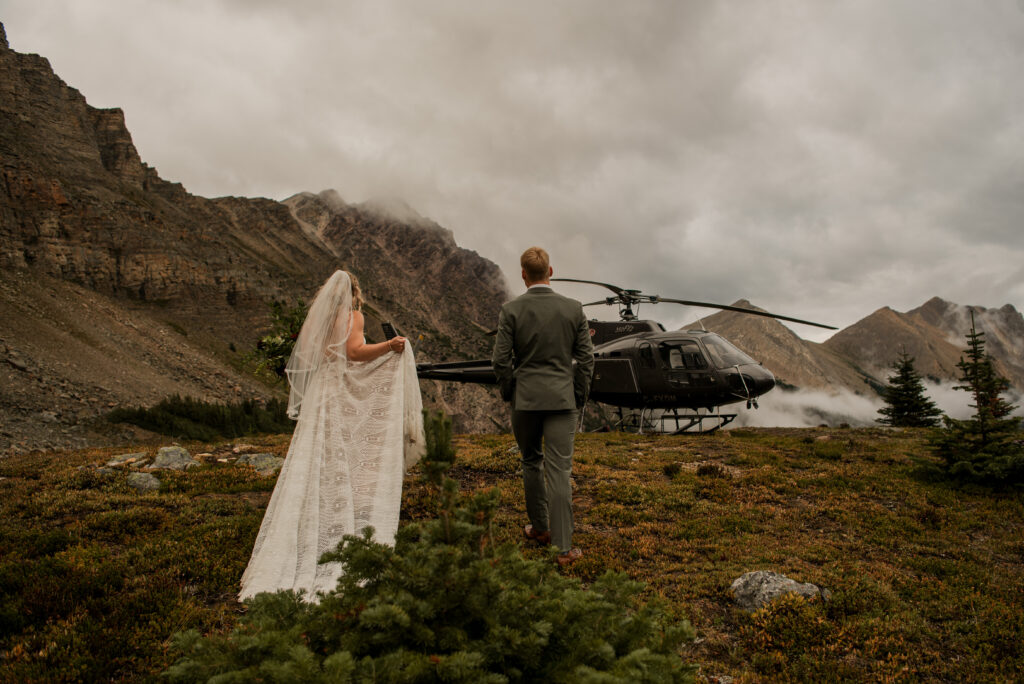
[[822, 159]]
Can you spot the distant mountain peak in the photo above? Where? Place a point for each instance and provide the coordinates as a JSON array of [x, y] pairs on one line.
[[332, 198], [935, 335], [393, 208], [745, 304]]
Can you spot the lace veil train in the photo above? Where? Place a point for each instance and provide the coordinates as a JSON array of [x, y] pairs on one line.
[[360, 426]]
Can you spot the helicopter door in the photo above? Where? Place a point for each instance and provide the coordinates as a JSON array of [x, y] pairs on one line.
[[697, 367], [676, 364], [648, 371], [646, 355]]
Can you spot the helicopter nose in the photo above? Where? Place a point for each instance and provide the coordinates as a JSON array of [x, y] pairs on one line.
[[763, 379], [750, 380]]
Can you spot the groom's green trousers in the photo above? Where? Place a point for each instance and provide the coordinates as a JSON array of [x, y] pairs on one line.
[[545, 439]]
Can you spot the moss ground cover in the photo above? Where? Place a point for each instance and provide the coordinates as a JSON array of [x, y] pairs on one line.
[[927, 579]]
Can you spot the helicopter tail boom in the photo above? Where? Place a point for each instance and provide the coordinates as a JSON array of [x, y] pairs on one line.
[[479, 372]]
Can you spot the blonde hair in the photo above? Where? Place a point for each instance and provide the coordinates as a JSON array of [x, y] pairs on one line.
[[357, 293], [535, 263]]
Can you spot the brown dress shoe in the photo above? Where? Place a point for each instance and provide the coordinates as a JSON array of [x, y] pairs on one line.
[[569, 557], [542, 538]]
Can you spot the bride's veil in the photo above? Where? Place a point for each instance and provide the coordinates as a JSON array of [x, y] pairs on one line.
[[360, 425], [323, 334]]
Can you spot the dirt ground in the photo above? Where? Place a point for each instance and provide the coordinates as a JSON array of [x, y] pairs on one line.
[[69, 355]]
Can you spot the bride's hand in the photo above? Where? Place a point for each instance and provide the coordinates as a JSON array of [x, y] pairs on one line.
[[396, 344]]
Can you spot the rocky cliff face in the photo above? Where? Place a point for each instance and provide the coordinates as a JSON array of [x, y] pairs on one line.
[[79, 207], [440, 296], [79, 204], [1003, 328]]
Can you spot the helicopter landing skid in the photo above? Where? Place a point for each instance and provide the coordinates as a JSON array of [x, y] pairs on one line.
[[672, 421], [722, 419]]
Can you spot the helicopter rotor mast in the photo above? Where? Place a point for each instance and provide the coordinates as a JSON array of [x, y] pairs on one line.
[[627, 298]]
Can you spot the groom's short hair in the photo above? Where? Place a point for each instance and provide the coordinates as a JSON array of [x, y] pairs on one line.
[[535, 263]]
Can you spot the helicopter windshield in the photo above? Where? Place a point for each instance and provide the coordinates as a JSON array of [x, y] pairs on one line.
[[723, 354]]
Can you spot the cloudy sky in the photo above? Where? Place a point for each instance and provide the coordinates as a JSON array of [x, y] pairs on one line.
[[822, 159]]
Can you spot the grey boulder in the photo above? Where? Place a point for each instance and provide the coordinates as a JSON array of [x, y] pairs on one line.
[[759, 588], [265, 464], [173, 458], [143, 482]]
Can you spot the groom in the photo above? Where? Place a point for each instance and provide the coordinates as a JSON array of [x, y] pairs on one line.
[[544, 358]]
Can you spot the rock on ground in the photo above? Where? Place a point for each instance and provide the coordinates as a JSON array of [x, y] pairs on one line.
[[143, 482], [173, 458], [759, 588], [265, 464], [127, 459]]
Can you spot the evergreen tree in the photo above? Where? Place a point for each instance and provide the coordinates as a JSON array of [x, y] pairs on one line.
[[988, 446], [906, 404], [445, 605]]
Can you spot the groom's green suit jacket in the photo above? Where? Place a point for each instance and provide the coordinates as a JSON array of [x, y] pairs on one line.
[[543, 355]]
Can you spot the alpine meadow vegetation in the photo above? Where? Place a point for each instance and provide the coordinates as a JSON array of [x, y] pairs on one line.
[[925, 575], [445, 604]]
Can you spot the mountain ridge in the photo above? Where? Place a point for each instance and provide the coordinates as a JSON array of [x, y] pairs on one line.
[[86, 225], [859, 357]]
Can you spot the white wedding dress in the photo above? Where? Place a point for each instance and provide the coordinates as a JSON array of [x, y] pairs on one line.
[[359, 427]]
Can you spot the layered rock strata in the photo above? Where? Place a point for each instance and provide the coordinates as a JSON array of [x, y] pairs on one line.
[[94, 244]]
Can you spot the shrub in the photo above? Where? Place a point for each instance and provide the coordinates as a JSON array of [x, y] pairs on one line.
[[445, 604], [187, 418]]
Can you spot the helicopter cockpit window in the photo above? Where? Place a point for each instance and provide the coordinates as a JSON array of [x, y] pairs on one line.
[[682, 356], [723, 354]]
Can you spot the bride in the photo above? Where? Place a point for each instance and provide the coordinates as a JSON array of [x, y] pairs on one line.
[[359, 427]]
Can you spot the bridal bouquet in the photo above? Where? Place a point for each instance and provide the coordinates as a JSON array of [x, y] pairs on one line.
[[272, 350]]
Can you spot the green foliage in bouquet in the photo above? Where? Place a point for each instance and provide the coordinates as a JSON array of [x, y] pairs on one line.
[[272, 350], [445, 604]]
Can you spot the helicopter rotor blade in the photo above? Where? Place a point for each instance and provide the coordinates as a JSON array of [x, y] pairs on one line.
[[739, 309], [614, 288], [630, 297]]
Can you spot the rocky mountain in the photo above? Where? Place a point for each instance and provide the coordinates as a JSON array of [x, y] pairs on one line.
[[935, 335], [859, 357], [119, 287], [1003, 328]]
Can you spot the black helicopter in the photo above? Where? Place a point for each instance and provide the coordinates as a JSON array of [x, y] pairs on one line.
[[654, 378]]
